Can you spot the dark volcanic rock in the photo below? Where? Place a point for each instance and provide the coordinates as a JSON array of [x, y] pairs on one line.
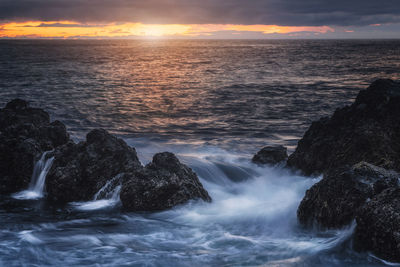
[[162, 184], [368, 130], [335, 200], [80, 170], [378, 226], [271, 155], [25, 133]]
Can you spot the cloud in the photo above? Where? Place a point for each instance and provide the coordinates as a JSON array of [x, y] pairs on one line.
[[63, 25], [67, 29], [247, 12]]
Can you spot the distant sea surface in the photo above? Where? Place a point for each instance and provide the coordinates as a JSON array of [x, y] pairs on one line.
[[241, 94], [214, 104]]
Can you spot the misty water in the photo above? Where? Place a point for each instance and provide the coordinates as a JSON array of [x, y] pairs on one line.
[[214, 104]]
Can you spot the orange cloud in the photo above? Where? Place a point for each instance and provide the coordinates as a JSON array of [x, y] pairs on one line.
[[268, 29], [71, 29], [68, 29]]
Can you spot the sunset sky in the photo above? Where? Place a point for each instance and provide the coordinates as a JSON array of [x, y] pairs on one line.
[[199, 19]]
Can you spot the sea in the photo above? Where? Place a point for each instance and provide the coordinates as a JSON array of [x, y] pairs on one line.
[[214, 103]]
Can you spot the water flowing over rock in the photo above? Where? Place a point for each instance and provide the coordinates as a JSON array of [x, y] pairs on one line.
[[378, 226], [36, 187], [271, 155], [106, 197], [110, 190], [80, 170], [162, 184], [25, 133], [368, 130], [336, 199]]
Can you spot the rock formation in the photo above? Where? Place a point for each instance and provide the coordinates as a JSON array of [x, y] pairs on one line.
[[365, 135], [368, 130], [162, 184], [336, 199], [25, 133], [80, 170]]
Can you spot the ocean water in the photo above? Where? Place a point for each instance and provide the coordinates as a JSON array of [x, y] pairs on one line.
[[214, 104]]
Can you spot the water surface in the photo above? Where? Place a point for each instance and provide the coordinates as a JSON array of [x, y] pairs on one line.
[[213, 103]]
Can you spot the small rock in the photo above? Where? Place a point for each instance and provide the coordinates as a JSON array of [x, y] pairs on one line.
[[271, 155]]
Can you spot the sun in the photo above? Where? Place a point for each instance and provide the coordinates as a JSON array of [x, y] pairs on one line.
[[153, 31], [158, 30]]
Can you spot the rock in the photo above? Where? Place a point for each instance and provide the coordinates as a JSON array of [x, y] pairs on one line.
[[378, 226], [368, 130], [25, 133], [162, 184], [80, 170], [271, 155], [334, 201]]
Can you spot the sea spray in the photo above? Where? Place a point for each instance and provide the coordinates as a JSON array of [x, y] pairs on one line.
[[36, 186]]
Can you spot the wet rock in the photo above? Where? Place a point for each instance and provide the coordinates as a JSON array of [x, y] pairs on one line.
[[335, 200], [271, 155], [25, 133], [368, 130], [378, 226], [162, 184], [80, 170]]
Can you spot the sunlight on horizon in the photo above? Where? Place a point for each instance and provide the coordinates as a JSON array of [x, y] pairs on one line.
[[72, 29]]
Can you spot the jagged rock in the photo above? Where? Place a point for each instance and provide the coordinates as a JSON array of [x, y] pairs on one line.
[[271, 155], [334, 201], [162, 184], [378, 226], [25, 133], [368, 130], [80, 170]]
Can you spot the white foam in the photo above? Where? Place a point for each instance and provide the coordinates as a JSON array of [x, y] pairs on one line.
[[29, 237]]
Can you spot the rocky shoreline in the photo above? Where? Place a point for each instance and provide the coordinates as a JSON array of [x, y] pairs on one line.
[[80, 170], [357, 151]]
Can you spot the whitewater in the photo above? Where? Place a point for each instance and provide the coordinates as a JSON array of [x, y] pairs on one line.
[[251, 221]]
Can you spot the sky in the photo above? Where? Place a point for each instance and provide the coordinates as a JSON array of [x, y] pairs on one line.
[[227, 19]]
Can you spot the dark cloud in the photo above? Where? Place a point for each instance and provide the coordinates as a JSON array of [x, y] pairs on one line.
[[281, 12]]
